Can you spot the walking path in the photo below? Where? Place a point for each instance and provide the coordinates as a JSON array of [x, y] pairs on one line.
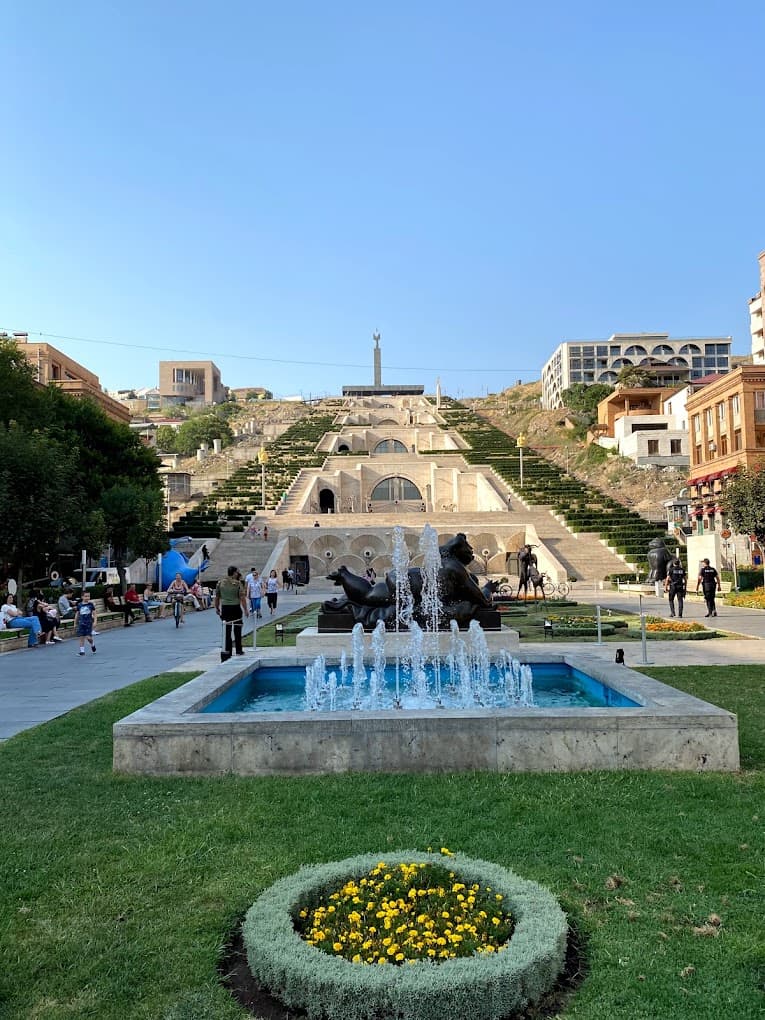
[[39, 685]]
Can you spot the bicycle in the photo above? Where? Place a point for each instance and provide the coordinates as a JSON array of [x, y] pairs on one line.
[[178, 609], [550, 588]]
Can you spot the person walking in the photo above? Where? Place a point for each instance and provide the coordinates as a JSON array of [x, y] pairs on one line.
[[254, 587], [230, 604], [675, 583], [85, 622], [272, 591], [709, 582]]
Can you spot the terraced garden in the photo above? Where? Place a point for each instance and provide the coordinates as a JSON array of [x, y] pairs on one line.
[[546, 485], [238, 498]]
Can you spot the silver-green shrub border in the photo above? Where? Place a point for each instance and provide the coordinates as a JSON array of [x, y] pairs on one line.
[[482, 987]]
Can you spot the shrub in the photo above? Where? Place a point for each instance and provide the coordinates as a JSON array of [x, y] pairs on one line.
[[485, 987]]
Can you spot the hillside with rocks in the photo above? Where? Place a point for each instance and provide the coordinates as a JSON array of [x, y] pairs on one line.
[[559, 436]]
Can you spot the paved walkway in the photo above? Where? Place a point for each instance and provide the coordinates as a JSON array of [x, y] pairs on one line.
[[38, 685]]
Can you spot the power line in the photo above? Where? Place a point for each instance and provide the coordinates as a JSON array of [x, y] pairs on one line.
[[254, 357]]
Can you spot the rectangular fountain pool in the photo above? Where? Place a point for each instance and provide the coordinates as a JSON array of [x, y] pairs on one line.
[[282, 689], [187, 732]]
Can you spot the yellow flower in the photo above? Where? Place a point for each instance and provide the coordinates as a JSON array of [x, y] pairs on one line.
[[337, 946], [446, 852]]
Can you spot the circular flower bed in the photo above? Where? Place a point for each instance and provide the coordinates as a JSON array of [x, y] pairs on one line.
[[407, 935]]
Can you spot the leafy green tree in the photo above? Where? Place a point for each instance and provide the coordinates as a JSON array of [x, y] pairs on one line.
[[636, 375], [166, 439], [202, 429], [19, 393], [107, 452], [745, 502], [36, 482], [583, 397], [134, 518]]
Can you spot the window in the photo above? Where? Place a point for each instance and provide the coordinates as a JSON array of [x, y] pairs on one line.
[[697, 454], [697, 423], [723, 445], [391, 489], [636, 351], [737, 440], [391, 446], [721, 411], [708, 416], [653, 447], [735, 405], [675, 447], [759, 400]]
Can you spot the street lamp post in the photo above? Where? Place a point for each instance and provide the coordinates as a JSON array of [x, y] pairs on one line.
[[263, 460], [520, 443]]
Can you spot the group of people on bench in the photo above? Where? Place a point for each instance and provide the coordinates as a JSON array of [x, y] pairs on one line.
[[131, 603]]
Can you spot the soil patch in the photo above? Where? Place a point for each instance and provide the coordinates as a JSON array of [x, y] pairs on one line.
[[235, 975]]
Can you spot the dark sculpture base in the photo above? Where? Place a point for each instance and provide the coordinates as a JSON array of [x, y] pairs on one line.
[[342, 623]]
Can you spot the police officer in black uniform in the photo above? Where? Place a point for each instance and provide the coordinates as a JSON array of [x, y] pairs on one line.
[[709, 580], [675, 583]]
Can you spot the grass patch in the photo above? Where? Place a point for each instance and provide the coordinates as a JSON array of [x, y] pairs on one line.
[[117, 892], [308, 616]]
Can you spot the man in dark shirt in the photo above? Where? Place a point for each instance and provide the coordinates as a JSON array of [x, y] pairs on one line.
[[709, 581], [675, 583], [230, 604]]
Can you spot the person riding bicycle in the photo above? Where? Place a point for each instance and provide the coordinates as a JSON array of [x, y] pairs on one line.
[[177, 592]]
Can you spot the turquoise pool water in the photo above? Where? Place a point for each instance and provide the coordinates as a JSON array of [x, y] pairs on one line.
[[282, 689]]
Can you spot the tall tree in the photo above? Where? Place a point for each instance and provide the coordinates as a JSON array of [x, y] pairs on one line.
[[36, 479], [745, 502], [19, 393], [134, 516]]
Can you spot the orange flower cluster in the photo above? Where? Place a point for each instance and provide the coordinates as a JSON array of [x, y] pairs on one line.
[[655, 623]]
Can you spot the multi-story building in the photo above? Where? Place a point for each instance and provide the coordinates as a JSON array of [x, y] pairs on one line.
[[638, 423], [53, 366], [726, 419], [190, 382], [671, 362], [756, 309]]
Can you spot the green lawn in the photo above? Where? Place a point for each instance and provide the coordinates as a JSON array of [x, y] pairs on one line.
[[117, 893]]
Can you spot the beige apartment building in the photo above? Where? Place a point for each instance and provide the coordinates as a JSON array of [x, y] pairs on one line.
[[190, 382], [726, 419], [53, 366], [756, 309]]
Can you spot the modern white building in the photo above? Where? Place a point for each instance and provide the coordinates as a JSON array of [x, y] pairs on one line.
[[673, 362], [756, 318]]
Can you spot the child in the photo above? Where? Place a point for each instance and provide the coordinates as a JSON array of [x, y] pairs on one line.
[[84, 622]]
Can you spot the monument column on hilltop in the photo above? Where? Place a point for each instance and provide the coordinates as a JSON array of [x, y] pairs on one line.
[[378, 368]]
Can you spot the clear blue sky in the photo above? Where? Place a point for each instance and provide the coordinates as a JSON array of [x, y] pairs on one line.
[[267, 184]]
